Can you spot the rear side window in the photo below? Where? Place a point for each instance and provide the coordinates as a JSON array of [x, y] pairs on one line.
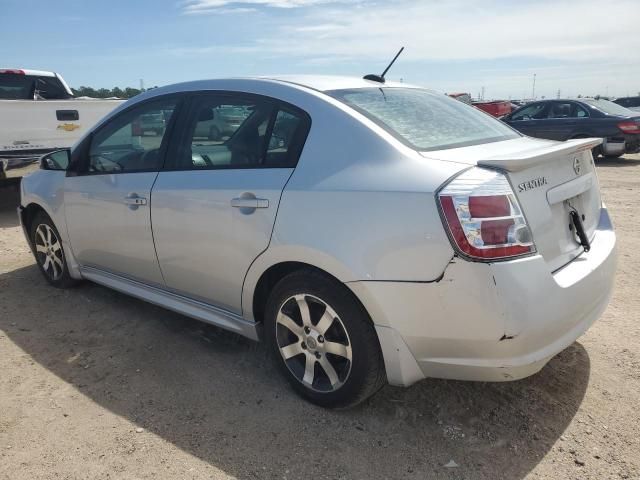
[[27, 87], [536, 111], [425, 120], [16, 87], [229, 131]]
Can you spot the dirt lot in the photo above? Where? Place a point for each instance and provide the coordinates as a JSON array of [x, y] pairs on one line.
[[96, 385]]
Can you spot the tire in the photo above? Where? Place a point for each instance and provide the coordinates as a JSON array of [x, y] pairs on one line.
[[613, 157], [47, 248], [338, 333]]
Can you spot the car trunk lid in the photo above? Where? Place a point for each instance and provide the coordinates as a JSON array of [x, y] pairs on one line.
[[550, 179]]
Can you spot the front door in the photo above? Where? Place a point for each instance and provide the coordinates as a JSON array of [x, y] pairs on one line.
[[528, 119], [214, 207], [107, 201], [560, 122]]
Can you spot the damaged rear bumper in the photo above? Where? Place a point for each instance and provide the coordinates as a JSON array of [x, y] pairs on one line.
[[490, 322]]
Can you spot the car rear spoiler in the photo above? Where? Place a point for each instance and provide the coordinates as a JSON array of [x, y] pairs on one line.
[[517, 161]]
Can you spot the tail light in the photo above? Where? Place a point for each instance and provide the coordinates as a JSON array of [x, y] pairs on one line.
[[629, 127], [483, 217], [12, 71]]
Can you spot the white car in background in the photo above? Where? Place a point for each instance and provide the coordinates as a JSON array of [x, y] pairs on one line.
[[38, 114], [369, 232]]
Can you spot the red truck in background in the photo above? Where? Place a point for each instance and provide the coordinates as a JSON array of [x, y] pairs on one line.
[[497, 108]]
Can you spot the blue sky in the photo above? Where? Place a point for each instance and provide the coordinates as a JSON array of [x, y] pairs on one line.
[[578, 46]]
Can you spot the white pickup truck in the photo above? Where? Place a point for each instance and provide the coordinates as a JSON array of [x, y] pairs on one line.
[[38, 113]]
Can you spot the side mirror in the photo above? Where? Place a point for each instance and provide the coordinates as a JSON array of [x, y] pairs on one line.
[[58, 160]]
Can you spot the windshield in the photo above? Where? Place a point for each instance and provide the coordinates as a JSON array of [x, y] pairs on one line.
[[425, 120], [609, 107]]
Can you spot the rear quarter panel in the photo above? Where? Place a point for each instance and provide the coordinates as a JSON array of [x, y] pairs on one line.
[[360, 206]]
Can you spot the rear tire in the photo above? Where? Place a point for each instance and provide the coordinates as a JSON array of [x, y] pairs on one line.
[[47, 248], [323, 341]]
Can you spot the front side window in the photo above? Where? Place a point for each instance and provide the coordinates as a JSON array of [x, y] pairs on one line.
[[423, 119], [131, 142], [228, 132], [531, 112], [15, 86]]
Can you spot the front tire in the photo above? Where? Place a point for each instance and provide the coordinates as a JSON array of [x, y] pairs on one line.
[[47, 248], [323, 340]]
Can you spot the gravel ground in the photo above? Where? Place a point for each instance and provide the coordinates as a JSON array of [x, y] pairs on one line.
[[97, 385]]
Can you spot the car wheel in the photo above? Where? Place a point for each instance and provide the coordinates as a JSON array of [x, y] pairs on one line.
[[49, 253], [323, 340], [214, 133]]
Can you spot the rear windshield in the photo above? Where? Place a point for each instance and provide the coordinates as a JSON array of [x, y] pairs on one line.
[[27, 87], [609, 107], [425, 120]]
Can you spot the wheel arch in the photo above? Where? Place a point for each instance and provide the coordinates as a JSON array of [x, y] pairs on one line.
[[27, 214], [268, 270]]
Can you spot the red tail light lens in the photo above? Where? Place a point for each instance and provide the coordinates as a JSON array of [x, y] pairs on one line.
[[12, 71], [483, 216], [629, 127]]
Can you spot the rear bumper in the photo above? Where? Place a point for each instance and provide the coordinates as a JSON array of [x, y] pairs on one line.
[[490, 322], [621, 144]]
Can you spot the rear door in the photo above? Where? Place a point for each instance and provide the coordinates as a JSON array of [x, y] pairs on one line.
[[107, 197], [215, 204]]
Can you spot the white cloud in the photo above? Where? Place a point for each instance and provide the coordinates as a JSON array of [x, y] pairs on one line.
[[193, 7], [462, 29], [595, 43]]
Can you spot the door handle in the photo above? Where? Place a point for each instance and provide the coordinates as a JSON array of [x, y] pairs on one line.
[[242, 202], [133, 199]]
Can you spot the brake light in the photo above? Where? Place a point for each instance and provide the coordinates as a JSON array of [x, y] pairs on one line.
[[483, 216], [629, 127], [15, 72]]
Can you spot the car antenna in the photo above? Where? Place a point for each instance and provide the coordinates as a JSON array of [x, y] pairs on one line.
[[380, 78]]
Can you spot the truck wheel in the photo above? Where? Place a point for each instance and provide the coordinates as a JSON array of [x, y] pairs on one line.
[[49, 253], [323, 341]]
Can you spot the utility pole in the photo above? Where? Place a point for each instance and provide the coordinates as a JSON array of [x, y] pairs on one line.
[[533, 91]]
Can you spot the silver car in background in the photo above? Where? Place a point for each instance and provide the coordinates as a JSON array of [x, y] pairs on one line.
[[369, 232]]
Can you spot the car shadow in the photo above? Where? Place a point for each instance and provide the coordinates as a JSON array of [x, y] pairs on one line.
[[218, 396], [9, 201]]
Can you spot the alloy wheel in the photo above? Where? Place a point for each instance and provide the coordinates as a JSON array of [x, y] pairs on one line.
[[49, 251], [313, 343]]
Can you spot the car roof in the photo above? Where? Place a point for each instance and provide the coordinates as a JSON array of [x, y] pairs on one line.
[[325, 83], [320, 83], [38, 73]]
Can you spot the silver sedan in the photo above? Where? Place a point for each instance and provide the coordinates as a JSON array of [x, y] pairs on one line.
[[369, 232]]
